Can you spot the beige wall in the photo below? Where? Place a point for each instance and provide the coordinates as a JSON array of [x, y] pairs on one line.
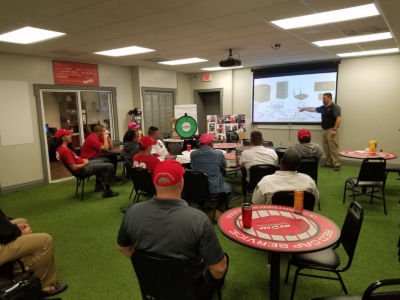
[[22, 164], [184, 92]]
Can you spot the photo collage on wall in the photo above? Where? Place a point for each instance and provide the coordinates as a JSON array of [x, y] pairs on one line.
[[220, 124]]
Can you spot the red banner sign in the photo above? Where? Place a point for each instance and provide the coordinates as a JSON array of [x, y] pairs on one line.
[[72, 73]]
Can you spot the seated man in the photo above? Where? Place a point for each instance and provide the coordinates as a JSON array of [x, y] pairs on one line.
[[212, 162], [131, 147], [132, 126], [104, 171], [181, 232], [98, 140], [143, 159], [307, 149], [257, 154], [159, 149], [34, 249], [286, 179]]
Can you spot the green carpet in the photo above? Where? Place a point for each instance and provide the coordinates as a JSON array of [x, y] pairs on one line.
[[85, 241]]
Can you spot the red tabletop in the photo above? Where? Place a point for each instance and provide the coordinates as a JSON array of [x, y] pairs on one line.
[[360, 154], [226, 145], [230, 155], [277, 228]]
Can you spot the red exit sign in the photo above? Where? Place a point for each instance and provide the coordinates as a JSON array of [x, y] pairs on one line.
[[206, 77]]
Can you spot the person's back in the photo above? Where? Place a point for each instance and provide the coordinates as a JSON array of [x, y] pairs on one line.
[[305, 148], [143, 159], [131, 146]]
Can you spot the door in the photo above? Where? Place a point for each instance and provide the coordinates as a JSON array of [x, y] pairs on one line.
[[208, 103]]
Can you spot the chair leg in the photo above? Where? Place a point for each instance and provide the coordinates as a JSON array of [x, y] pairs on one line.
[[294, 283], [372, 195], [219, 293], [83, 188], [342, 283], [345, 190], [77, 186], [319, 204], [384, 201], [287, 272], [130, 196]]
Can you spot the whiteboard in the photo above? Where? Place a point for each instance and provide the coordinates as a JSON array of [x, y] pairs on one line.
[[15, 113]]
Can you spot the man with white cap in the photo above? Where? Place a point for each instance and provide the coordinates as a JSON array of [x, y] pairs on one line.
[[212, 162], [168, 227]]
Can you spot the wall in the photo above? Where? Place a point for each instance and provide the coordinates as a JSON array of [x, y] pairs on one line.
[[22, 164]]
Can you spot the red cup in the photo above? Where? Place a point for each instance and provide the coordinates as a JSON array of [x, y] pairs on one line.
[[189, 147], [247, 215]]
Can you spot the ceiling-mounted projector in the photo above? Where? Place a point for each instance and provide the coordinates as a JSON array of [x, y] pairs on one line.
[[230, 61]]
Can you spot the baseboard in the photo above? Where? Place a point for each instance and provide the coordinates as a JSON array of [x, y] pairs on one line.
[[20, 187]]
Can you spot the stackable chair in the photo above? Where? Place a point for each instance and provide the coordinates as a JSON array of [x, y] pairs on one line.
[[142, 183], [280, 151], [257, 172], [80, 179], [370, 293], [328, 260], [309, 166], [371, 180], [286, 198]]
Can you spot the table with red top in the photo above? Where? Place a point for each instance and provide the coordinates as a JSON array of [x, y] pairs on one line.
[[360, 154], [112, 151], [279, 230], [227, 146]]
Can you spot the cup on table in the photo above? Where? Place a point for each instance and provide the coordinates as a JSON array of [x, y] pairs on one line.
[[188, 147], [247, 213]]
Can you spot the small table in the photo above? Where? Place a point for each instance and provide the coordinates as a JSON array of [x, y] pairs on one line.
[[360, 154], [277, 229], [227, 146]]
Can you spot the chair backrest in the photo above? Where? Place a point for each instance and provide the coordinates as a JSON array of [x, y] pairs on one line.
[[246, 142], [372, 169], [142, 180], [163, 278], [280, 151], [257, 172], [195, 187], [309, 166], [232, 137], [268, 144], [286, 198], [387, 295], [351, 230]]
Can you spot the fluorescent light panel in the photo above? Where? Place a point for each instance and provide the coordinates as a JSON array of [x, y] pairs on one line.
[[220, 68], [29, 35], [184, 61], [355, 39], [124, 51], [333, 16], [370, 52]]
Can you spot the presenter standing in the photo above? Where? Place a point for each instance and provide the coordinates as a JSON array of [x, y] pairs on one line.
[[331, 118]]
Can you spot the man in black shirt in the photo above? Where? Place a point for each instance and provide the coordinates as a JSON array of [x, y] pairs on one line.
[[331, 117], [168, 227]]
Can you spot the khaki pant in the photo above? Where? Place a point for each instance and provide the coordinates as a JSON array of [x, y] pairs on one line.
[[36, 252], [331, 148]]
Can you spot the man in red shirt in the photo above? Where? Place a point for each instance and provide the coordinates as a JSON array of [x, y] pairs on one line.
[[104, 171], [143, 159], [98, 140]]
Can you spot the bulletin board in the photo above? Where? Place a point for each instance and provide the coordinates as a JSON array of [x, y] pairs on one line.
[[220, 124]]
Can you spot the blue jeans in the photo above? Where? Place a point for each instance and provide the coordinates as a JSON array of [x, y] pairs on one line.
[[104, 171]]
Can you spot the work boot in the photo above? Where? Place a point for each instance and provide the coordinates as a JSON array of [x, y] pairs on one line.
[[108, 193], [99, 187]]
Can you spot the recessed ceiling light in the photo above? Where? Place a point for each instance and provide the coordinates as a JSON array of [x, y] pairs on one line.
[[220, 68], [29, 35], [355, 39], [340, 15], [184, 61], [370, 52], [125, 51]]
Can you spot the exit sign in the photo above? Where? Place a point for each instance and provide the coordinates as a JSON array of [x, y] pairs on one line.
[[206, 77]]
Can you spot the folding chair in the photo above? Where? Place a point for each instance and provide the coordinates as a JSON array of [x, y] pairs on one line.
[[286, 198], [142, 183], [80, 179]]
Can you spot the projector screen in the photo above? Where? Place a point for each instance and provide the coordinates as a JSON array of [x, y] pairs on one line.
[[279, 92]]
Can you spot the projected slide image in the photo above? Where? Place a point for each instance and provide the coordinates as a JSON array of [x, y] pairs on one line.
[[278, 99]]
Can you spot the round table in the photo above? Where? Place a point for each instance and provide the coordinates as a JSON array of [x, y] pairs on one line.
[[360, 154], [277, 229], [227, 146]]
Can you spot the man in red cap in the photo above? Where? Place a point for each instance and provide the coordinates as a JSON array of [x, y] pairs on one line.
[[167, 226], [104, 171], [212, 162], [306, 149], [143, 159]]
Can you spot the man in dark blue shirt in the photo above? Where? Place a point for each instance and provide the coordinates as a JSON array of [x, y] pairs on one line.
[[331, 117]]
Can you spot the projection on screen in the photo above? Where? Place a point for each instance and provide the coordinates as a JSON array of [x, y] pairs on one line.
[[278, 99]]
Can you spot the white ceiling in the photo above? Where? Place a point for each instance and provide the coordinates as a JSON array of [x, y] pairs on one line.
[[190, 28]]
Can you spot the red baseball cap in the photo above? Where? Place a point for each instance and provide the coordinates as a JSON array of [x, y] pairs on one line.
[[61, 132], [147, 141], [206, 138], [169, 169], [303, 133], [133, 125]]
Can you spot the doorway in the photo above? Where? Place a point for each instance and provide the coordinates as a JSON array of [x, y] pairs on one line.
[[76, 110], [209, 102]]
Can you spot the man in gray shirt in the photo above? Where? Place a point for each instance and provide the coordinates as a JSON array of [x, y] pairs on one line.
[[305, 148], [168, 227]]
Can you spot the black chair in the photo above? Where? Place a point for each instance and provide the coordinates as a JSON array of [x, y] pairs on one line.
[[257, 172], [246, 142], [280, 151], [286, 198], [328, 260], [162, 278], [371, 180], [80, 179], [232, 137], [268, 144], [369, 292], [309, 166], [142, 183], [195, 190]]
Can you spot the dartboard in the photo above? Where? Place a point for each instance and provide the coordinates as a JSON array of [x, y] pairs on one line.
[[186, 126]]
